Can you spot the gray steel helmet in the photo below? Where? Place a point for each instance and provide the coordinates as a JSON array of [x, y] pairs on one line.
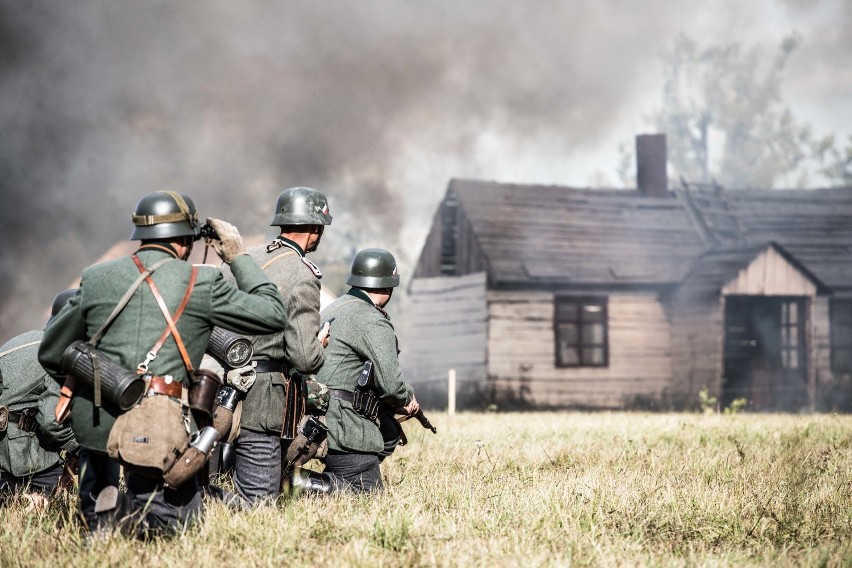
[[301, 206], [373, 268], [163, 215], [60, 300]]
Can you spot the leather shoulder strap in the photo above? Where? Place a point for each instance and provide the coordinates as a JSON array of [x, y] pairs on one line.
[[168, 316]]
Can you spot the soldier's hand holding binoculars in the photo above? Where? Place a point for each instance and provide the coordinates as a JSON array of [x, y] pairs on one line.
[[230, 243]]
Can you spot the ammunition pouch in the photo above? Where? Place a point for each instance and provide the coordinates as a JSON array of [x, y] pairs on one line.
[[363, 400], [150, 437], [311, 442], [120, 387]]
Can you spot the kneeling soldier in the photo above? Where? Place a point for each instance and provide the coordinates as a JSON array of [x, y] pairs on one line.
[[151, 312], [362, 333], [31, 440]]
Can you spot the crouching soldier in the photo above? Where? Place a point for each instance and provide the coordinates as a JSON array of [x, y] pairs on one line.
[[148, 317], [36, 452], [362, 350]]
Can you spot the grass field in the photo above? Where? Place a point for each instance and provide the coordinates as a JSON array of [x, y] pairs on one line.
[[537, 489]]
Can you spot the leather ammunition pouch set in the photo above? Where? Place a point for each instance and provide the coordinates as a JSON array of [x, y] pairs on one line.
[[363, 399]]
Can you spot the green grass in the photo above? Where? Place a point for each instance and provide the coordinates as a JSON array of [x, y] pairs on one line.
[[537, 489]]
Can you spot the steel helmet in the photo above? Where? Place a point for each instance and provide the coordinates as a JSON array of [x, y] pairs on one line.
[[60, 300], [163, 215], [373, 268], [301, 206]]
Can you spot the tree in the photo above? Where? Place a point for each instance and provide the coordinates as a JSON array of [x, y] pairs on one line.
[[729, 98]]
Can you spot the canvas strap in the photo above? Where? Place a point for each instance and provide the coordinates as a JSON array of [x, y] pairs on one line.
[[13, 349], [274, 259]]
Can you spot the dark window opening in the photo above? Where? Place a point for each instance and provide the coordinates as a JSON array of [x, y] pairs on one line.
[[841, 335], [580, 326]]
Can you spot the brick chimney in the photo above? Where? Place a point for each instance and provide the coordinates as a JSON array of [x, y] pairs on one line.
[[651, 165]]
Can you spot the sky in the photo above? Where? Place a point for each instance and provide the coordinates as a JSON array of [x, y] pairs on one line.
[[377, 103]]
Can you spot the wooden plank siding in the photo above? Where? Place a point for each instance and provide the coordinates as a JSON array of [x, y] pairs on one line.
[[447, 325], [770, 274], [521, 349], [697, 347]]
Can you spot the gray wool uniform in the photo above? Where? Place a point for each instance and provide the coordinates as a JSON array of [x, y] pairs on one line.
[[30, 454], [257, 473]]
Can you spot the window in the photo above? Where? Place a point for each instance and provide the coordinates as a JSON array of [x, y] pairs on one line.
[[841, 335], [581, 332], [792, 325], [449, 235]]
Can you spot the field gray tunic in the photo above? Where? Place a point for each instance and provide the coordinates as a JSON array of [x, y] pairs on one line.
[[299, 286], [360, 331], [25, 384], [255, 307]]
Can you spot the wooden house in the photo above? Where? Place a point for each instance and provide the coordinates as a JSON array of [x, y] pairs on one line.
[[556, 297]]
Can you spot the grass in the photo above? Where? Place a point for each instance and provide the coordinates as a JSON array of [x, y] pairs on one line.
[[537, 489]]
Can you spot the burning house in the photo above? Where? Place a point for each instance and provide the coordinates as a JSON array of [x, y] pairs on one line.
[[555, 297]]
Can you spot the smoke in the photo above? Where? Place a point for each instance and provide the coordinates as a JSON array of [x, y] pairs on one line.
[[376, 103]]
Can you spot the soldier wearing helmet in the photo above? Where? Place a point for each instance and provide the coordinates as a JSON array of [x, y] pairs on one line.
[[283, 361], [31, 440], [153, 312], [362, 332]]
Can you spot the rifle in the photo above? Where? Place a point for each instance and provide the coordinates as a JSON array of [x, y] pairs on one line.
[[419, 416]]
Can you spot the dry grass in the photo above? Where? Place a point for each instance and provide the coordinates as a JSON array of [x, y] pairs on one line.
[[533, 489]]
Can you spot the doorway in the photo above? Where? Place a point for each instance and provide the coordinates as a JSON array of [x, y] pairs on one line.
[[765, 355]]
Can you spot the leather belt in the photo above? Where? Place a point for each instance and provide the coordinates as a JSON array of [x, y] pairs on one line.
[[24, 420], [340, 394], [159, 385], [270, 366]]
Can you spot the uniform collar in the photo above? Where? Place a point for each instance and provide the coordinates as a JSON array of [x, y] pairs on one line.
[[362, 295], [280, 241], [159, 247]]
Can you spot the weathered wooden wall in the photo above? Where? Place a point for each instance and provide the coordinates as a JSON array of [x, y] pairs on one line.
[[770, 274], [521, 349], [697, 349], [446, 330]]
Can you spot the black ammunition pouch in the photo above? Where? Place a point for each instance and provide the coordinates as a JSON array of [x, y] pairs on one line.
[[363, 401], [96, 371]]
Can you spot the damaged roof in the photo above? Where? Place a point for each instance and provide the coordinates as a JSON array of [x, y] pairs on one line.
[[540, 234], [554, 234]]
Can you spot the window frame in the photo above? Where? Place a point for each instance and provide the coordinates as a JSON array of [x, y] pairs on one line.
[[836, 307], [581, 346]]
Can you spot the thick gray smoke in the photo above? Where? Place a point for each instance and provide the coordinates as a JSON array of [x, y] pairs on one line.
[[377, 103]]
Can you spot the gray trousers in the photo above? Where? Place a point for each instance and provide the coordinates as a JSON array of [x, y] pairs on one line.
[[354, 472], [257, 473], [97, 471], [158, 510], [43, 482]]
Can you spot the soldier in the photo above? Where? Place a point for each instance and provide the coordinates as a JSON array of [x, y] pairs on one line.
[[31, 441], [284, 359], [192, 300], [362, 332]]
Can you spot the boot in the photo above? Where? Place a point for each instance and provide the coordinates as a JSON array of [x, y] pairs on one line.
[[309, 482], [111, 507]]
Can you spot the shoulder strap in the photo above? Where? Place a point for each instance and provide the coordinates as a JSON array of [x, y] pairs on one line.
[[13, 349], [93, 341], [163, 308], [274, 259]]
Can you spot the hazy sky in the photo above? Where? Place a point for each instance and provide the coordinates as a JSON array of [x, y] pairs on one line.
[[377, 103]]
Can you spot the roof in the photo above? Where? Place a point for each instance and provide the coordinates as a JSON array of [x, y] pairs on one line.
[[814, 225], [717, 267], [562, 235], [545, 234]]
